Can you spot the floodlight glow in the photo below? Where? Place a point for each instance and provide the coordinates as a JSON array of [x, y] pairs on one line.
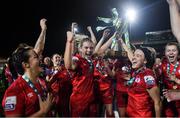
[[131, 15], [75, 30]]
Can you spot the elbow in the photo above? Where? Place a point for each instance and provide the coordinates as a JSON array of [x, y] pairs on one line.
[[95, 42], [157, 103], [39, 51], [67, 65]]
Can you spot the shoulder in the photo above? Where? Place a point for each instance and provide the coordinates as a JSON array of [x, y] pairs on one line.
[[148, 72], [12, 95], [16, 85], [75, 58], [164, 60]]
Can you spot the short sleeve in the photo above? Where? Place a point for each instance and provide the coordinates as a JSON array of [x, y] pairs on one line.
[[149, 81], [13, 102], [76, 61]]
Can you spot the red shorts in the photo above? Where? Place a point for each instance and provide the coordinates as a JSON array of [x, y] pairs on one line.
[[122, 98], [105, 91], [107, 96]]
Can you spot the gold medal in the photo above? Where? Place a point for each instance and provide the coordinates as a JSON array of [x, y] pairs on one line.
[[175, 87]]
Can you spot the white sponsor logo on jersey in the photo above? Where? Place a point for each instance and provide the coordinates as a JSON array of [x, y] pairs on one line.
[[10, 103], [30, 94], [149, 80]]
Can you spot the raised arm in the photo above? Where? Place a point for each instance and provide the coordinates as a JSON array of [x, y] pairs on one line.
[[68, 51], [73, 26], [93, 38], [39, 46], [175, 17], [128, 50], [106, 45], [106, 20], [104, 36]]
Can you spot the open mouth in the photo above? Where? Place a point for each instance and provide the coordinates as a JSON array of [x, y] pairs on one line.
[[171, 57], [134, 63]]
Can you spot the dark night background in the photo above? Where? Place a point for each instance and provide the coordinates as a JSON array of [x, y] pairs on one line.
[[20, 20]]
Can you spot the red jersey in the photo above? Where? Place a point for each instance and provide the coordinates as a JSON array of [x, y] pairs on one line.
[[140, 103], [104, 89], [166, 80], [83, 85], [21, 99], [166, 69], [119, 75], [64, 91]]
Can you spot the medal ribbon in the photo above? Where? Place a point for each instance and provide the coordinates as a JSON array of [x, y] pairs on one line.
[[91, 65], [101, 68], [173, 73], [174, 70], [25, 77], [131, 81]]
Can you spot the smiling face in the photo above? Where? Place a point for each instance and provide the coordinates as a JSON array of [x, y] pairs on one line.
[[171, 53], [56, 59], [87, 49], [138, 60]]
